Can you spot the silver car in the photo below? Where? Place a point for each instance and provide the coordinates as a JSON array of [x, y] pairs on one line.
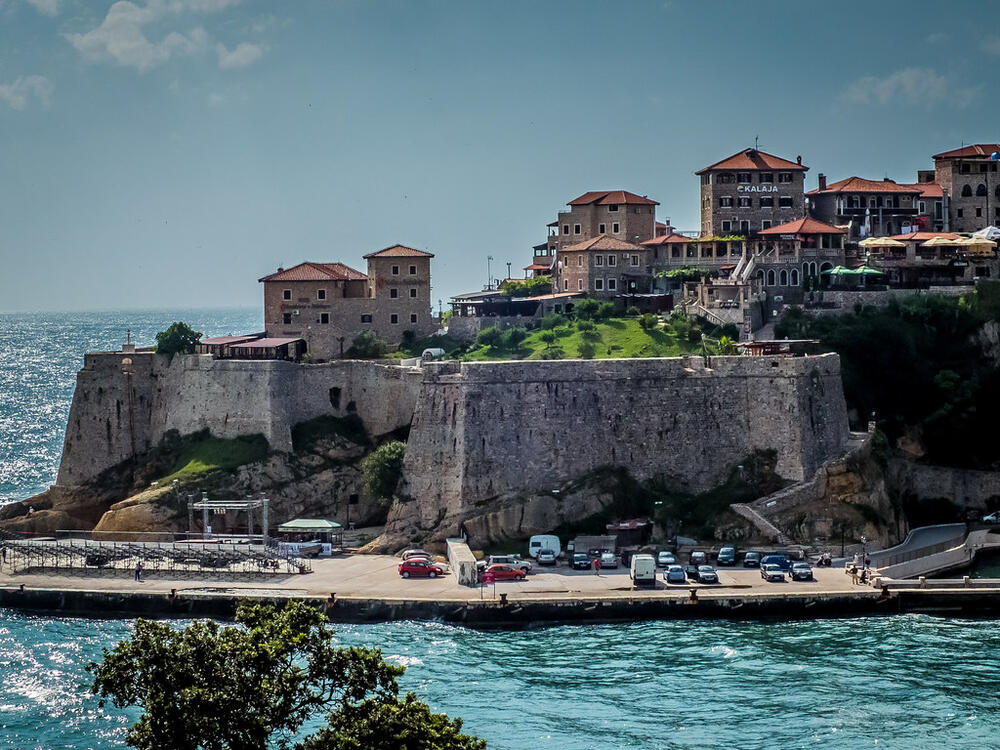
[[546, 557], [609, 560], [772, 572], [801, 572]]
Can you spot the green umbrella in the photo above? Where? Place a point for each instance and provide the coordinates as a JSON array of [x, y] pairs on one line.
[[867, 271], [838, 271]]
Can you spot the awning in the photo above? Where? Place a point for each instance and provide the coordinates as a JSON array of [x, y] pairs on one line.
[[308, 526]]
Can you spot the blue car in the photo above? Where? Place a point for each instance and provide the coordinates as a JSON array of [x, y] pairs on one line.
[[782, 561], [675, 574]]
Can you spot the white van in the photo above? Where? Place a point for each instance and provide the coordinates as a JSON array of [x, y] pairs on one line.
[[643, 570], [543, 541]]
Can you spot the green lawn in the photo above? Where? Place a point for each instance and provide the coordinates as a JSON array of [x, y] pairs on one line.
[[208, 455], [619, 337]]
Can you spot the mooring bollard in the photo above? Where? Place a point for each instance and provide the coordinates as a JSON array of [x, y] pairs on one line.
[[923, 581], [22, 588], [965, 581], [694, 596], [503, 599]]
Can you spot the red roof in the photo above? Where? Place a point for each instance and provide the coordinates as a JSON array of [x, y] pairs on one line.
[[537, 267], [749, 160], [265, 343], [803, 226], [557, 295], [399, 251], [928, 189], [602, 242], [979, 150], [219, 340], [668, 239], [659, 224], [309, 271], [611, 197], [923, 236], [861, 185]]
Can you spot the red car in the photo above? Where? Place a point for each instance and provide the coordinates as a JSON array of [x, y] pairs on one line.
[[506, 573], [418, 568]]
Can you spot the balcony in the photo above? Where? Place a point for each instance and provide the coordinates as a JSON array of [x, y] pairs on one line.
[[886, 211]]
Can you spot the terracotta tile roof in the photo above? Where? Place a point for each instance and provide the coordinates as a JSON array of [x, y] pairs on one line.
[[602, 242], [265, 343], [557, 295], [399, 251], [537, 267], [668, 239], [609, 197], [928, 189], [978, 150], [316, 272], [219, 340], [861, 185], [923, 236], [749, 160], [659, 224], [803, 226]]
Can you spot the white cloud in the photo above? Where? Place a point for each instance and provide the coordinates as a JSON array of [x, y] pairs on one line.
[[239, 57], [48, 7], [938, 38], [21, 91], [909, 86], [991, 44]]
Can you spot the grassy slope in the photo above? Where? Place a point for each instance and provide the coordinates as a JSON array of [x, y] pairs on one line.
[[207, 455]]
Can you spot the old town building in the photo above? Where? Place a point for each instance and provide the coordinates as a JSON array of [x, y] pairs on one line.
[[865, 208], [327, 304], [750, 191], [603, 266], [793, 255], [969, 178]]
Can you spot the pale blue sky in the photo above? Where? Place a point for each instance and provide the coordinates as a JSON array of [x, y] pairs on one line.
[[167, 153]]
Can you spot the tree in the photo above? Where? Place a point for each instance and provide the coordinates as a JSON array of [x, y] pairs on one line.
[[587, 349], [605, 310], [382, 469], [366, 345], [727, 346], [648, 322], [490, 336], [586, 309], [180, 338], [213, 687], [514, 337]]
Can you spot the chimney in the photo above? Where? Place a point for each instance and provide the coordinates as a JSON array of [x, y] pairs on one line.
[[822, 181], [798, 160], [280, 269]]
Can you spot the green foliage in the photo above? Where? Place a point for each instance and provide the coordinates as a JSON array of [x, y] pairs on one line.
[[366, 345], [532, 287], [452, 346], [553, 321], [587, 349], [489, 337], [446, 317], [605, 310], [553, 352], [586, 309], [548, 338], [305, 434], [180, 338], [632, 311], [730, 330], [206, 686], [383, 468], [685, 273], [727, 346], [201, 455], [648, 322], [513, 338]]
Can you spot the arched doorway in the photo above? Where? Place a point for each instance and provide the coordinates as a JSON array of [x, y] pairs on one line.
[[783, 278], [770, 277]]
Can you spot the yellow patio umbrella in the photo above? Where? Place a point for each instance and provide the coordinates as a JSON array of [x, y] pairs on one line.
[[938, 242], [881, 242], [976, 246]]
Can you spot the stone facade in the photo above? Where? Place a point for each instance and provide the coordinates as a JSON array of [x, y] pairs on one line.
[[750, 191], [870, 208], [970, 178], [604, 267]]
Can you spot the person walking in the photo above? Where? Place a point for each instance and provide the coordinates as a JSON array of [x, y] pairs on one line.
[[138, 571], [854, 574], [868, 560], [597, 566]]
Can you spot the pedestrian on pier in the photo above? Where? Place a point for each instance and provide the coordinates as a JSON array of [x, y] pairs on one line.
[[138, 571], [864, 576], [868, 560], [854, 574], [597, 566]]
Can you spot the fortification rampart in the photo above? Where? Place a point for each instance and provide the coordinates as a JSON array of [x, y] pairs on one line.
[[486, 432], [125, 403]]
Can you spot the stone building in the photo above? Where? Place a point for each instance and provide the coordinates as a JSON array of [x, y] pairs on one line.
[[790, 256], [931, 215], [750, 191], [604, 266], [866, 208], [968, 177], [327, 304]]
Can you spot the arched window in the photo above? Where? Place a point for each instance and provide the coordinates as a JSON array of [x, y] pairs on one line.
[[783, 278], [795, 277], [770, 277], [805, 269], [825, 267], [966, 191], [812, 268], [760, 275], [981, 190]]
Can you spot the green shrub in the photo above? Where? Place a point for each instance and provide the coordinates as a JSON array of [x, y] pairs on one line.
[[366, 345], [648, 322], [513, 338], [180, 338], [587, 349], [605, 310], [553, 321], [586, 309], [383, 468], [489, 337], [632, 311]]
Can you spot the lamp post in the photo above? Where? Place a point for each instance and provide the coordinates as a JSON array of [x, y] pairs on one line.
[[489, 272]]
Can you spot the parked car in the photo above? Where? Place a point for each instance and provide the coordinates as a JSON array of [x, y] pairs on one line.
[[543, 541], [419, 568], [771, 572], [581, 561], [726, 556], [506, 573], [751, 560], [408, 553], [782, 561], [699, 558], [801, 571], [665, 558], [675, 574], [707, 574], [546, 557], [514, 561], [608, 560], [992, 517]]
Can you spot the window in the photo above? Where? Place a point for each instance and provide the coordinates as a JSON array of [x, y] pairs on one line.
[[324, 318], [795, 277], [965, 169], [785, 201], [743, 177], [981, 190], [922, 207], [767, 202], [766, 177], [959, 213], [765, 224], [395, 270], [727, 226], [413, 270], [579, 260], [725, 201], [286, 294], [565, 285], [745, 202], [565, 228], [413, 317], [601, 229], [725, 178], [598, 260], [615, 228], [745, 227], [612, 208], [394, 319], [612, 260], [783, 278], [599, 284], [413, 293], [321, 294], [366, 318], [982, 167], [576, 229], [979, 213], [579, 284], [770, 277], [612, 285], [393, 293], [966, 191], [784, 177], [286, 319], [635, 260]]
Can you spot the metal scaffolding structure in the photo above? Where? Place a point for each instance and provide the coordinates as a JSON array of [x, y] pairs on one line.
[[221, 507], [197, 559]]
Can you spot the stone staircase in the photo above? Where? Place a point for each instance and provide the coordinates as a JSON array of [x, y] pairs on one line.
[[767, 528]]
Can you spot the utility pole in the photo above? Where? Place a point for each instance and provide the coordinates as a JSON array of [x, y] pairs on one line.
[[489, 272], [508, 269]]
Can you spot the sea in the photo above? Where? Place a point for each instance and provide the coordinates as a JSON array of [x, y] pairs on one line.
[[906, 681]]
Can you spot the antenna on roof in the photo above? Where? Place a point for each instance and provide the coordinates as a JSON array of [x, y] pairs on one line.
[[756, 138]]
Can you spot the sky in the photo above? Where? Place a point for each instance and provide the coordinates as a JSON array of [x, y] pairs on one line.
[[168, 153]]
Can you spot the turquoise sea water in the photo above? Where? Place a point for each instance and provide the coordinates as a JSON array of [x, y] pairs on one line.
[[910, 681]]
